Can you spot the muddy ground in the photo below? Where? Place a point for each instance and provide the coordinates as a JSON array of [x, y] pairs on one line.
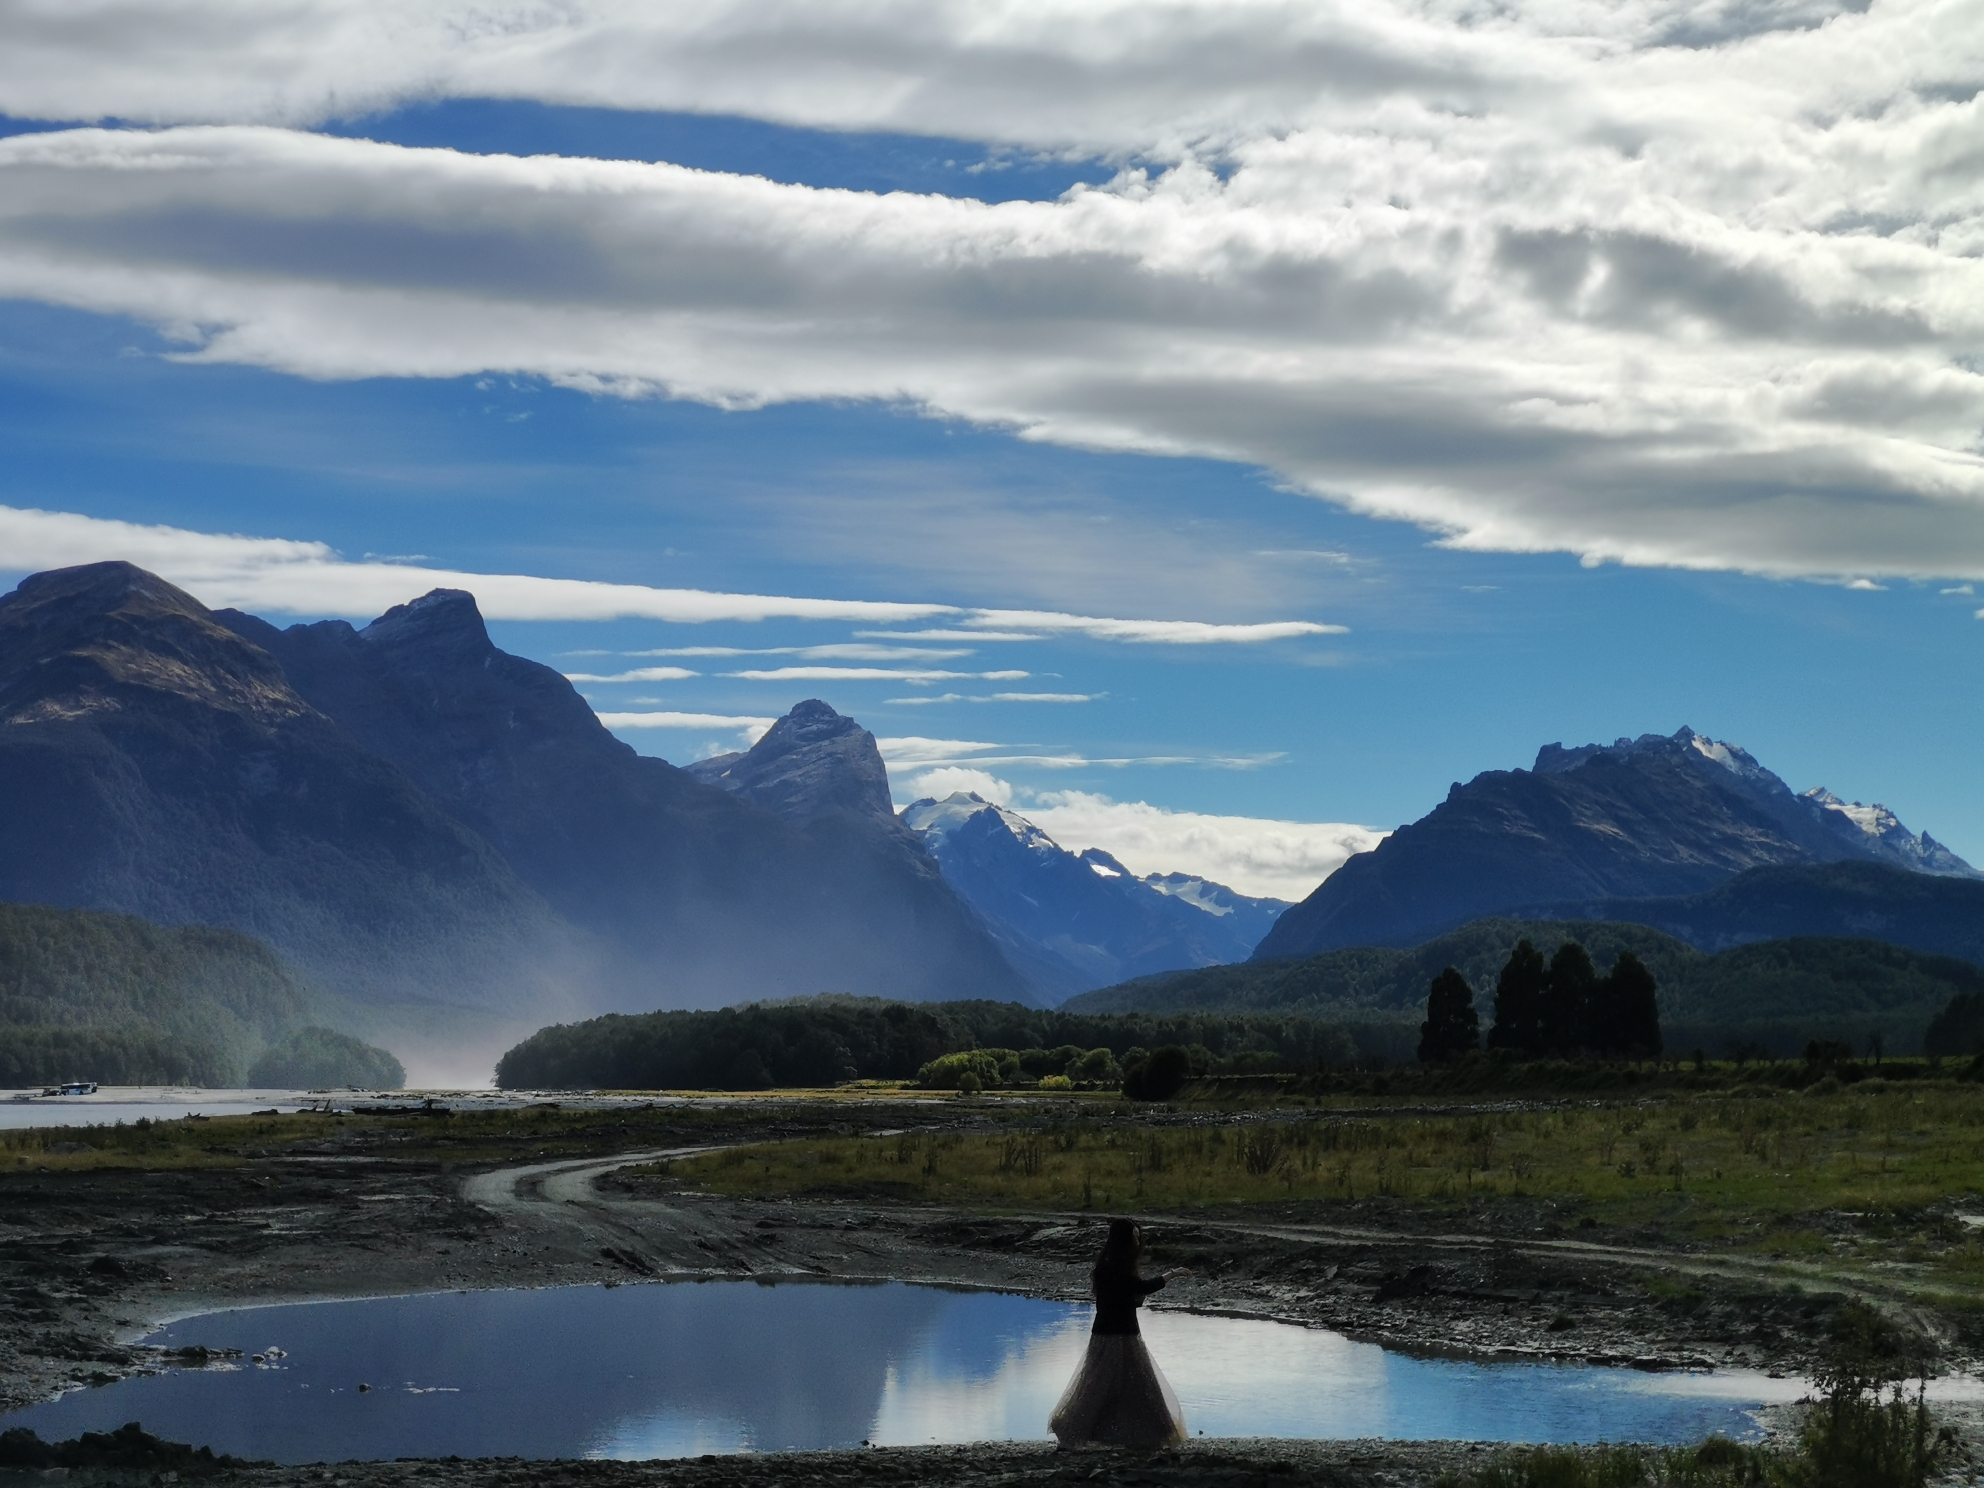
[[90, 1260], [1226, 1464]]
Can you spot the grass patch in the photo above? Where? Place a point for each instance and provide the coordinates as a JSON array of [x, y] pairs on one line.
[[1715, 1463], [1767, 1172], [514, 1135]]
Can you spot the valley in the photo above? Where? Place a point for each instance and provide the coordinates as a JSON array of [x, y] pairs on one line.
[[920, 1046]]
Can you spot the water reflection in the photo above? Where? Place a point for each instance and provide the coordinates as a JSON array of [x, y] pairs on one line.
[[658, 1371]]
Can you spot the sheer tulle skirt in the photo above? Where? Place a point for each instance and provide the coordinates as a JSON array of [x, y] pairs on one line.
[[1119, 1397]]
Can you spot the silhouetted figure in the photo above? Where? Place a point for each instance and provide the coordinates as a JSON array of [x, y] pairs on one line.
[[1117, 1396]]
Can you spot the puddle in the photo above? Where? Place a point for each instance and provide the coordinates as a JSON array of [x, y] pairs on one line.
[[687, 1368]]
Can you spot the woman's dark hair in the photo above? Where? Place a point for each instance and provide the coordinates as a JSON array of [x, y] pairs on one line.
[[1121, 1249]]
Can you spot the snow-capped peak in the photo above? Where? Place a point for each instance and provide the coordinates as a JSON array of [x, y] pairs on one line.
[[1875, 820], [1734, 758], [1554, 759], [936, 820]]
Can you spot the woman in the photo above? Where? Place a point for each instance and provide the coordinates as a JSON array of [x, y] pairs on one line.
[[1117, 1396]]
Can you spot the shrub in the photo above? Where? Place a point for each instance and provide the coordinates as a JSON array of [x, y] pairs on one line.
[[1097, 1067], [1865, 1431], [946, 1071]]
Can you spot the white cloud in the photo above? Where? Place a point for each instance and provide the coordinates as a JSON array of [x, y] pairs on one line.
[[1124, 74], [749, 730], [916, 753], [641, 674], [1653, 282], [840, 651], [912, 747], [948, 635], [1275, 859], [1164, 632], [287, 576], [866, 674], [282, 576], [947, 780], [996, 697], [685, 721]]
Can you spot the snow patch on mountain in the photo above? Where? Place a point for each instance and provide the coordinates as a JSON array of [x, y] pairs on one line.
[[1922, 853], [1872, 831], [937, 820], [1074, 921]]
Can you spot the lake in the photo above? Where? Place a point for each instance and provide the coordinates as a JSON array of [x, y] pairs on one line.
[[685, 1368], [108, 1107]]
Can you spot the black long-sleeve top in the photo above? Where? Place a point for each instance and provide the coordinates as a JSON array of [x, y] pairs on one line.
[[1118, 1295]]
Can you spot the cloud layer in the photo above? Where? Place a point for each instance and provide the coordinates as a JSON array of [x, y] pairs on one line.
[[1255, 855], [1277, 859], [285, 576], [1682, 283]]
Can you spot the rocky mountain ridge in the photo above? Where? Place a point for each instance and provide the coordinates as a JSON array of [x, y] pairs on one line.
[[1653, 817], [1079, 920], [418, 820]]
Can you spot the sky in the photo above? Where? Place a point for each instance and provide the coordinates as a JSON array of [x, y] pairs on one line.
[[1212, 429]]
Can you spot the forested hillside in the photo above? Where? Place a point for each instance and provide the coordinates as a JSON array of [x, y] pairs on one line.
[[113, 998]]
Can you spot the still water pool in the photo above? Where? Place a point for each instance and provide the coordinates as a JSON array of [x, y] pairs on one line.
[[685, 1368]]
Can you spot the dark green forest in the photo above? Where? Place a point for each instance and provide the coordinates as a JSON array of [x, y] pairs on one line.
[[86, 995], [829, 1039], [1773, 996]]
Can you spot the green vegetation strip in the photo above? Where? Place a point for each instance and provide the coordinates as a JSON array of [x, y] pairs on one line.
[[1755, 1170], [513, 1135]]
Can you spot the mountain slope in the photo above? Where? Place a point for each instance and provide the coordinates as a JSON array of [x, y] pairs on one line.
[[112, 997], [154, 763], [1938, 915], [1076, 921], [1640, 818], [694, 895], [812, 762]]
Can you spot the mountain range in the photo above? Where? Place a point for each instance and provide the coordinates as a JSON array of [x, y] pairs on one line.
[[442, 838], [1657, 817], [450, 850], [1073, 921]]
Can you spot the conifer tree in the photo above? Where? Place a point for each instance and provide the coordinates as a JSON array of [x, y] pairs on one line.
[[1631, 1010], [1519, 992], [1567, 1002], [1452, 1027]]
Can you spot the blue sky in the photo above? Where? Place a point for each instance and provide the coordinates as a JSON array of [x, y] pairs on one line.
[[1793, 591]]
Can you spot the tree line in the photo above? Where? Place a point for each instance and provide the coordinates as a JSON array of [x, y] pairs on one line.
[[1555, 1009], [830, 1039]]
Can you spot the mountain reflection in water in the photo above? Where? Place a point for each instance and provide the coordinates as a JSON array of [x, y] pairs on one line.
[[673, 1370]]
